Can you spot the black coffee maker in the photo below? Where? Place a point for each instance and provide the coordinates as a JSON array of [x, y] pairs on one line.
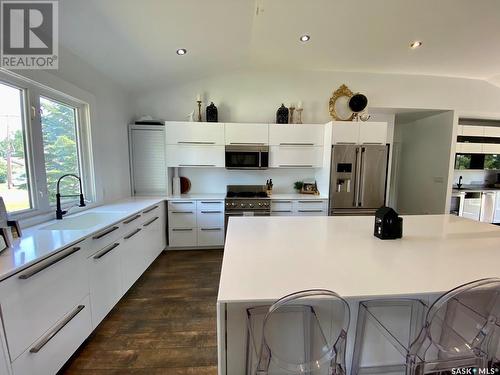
[[388, 224]]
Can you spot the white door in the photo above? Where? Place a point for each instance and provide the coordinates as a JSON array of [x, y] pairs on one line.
[[195, 156], [252, 134], [296, 156], [147, 152]]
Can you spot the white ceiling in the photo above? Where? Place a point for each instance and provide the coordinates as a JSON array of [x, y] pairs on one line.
[[134, 42]]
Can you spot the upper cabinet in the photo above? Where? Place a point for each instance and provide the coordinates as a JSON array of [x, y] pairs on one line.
[[478, 139], [190, 133], [359, 132], [247, 134], [296, 135]]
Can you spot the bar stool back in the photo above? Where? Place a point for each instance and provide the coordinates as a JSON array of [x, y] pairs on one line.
[[302, 333]]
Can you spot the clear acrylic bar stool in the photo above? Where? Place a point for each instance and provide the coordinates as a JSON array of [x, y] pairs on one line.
[[460, 331], [302, 333]]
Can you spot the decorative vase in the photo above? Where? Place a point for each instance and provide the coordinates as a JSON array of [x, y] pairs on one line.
[[212, 113], [282, 115]]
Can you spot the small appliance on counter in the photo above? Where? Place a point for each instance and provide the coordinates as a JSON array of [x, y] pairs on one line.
[[388, 224]]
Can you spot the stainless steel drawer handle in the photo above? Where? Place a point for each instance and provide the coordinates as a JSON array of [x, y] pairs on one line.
[[196, 165], [296, 144], [281, 202], [133, 218], [132, 234], [56, 329], [310, 201], [311, 211], [179, 202], [211, 229], [296, 165], [195, 143], [211, 212], [281, 211], [151, 221], [150, 209], [105, 233], [182, 230], [213, 202], [182, 212], [107, 250], [247, 143], [34, 270]]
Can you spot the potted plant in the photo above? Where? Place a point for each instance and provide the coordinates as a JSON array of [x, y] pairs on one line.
[[298, 185]]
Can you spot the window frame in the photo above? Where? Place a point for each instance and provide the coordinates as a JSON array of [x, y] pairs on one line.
[[34, 148]]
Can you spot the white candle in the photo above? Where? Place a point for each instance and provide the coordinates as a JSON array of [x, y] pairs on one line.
[[299, 106], [291, 105], [198, 98]]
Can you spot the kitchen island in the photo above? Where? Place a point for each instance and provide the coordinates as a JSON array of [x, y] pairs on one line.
[[267, 258]]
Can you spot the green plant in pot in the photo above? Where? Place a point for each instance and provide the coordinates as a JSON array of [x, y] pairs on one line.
[[298, 185]]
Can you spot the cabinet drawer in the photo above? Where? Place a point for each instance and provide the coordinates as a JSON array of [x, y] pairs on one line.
[[345, 132], [189, 133], [471, 148], [211, 236], [35, 299], [182, 237], [298, 135], [253, 134], [64, 337], [210, 205], [152, 211], [182, 219], [105, 280], [296, 156], [282, 213], [109, 235], [195, 156], [373, 133], [472, 130], [492, 131], [182, 205], [311, 212], [281, 206], [210, 218], [491, 148], [313, 204]]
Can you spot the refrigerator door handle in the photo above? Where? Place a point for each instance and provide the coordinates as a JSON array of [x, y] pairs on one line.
[[360, 181], [356, 181]]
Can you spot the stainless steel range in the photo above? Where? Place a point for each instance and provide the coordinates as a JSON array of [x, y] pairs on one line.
[[246, 200]]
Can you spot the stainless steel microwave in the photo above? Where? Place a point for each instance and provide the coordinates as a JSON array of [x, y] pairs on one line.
[[247, 157]]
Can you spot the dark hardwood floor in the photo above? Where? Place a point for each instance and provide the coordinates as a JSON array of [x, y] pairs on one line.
[[165, 324]]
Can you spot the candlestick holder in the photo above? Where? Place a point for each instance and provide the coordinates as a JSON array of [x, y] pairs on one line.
[[291, 114], [299, 115], [199, 110]]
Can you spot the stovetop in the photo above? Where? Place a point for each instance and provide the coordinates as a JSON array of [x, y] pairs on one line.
[[247, 197], [246, 194]]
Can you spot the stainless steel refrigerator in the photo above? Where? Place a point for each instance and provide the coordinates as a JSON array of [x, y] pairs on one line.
[[358, 179]]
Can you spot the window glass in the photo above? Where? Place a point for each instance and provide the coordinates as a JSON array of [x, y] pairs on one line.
[[492, 162], [60, 146], [14, 181]]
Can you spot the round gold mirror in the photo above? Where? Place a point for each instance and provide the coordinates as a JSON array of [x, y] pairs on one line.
[[339, 104]]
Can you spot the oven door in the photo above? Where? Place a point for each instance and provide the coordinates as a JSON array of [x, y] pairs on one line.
[[247, 157], [227, 215]]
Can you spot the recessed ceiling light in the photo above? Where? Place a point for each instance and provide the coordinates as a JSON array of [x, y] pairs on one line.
[[305, 38], [415, 44], [181, 51]]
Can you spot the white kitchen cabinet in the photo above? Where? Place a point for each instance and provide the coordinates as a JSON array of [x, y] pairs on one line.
[[488, 205], [491, 148], [296, 135], [281, 207], [252, 134], [182, 219], [49, 352], [359, 132], [472, 208], [471, 130], [210, 219], [194, 133], [373, 133], [296, 157], [311, 207], [210, 237], [134, 256], [470, 148], [38, 297], [492, 131], [147, 159], [182, 237], [105, 280], [496, 217], [189, 155], [345, 132]]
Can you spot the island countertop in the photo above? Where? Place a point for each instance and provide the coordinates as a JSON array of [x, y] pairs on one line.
[[267, 258]]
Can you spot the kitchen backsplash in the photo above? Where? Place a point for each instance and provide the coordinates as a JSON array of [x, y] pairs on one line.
[[475, 177]]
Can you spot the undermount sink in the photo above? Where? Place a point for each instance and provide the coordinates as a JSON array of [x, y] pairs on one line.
[[84, 221]]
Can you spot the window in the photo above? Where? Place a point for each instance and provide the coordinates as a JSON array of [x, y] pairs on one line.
[[44, 134], [14, 183], [59, 130]]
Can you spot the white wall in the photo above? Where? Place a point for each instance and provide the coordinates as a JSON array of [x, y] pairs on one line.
[[475, 177], [424, 162], [254, 96], [110, 112]]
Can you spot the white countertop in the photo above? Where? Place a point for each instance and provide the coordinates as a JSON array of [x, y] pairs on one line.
[[37, 244], [267, 258], [296, 196], [221, 196]]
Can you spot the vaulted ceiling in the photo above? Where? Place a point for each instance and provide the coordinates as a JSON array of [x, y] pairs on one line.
[[135, 42]]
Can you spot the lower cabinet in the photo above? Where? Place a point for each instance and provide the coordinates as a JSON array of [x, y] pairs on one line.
[[51, 307], [47, 355], [299, 207], [195, 223]]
